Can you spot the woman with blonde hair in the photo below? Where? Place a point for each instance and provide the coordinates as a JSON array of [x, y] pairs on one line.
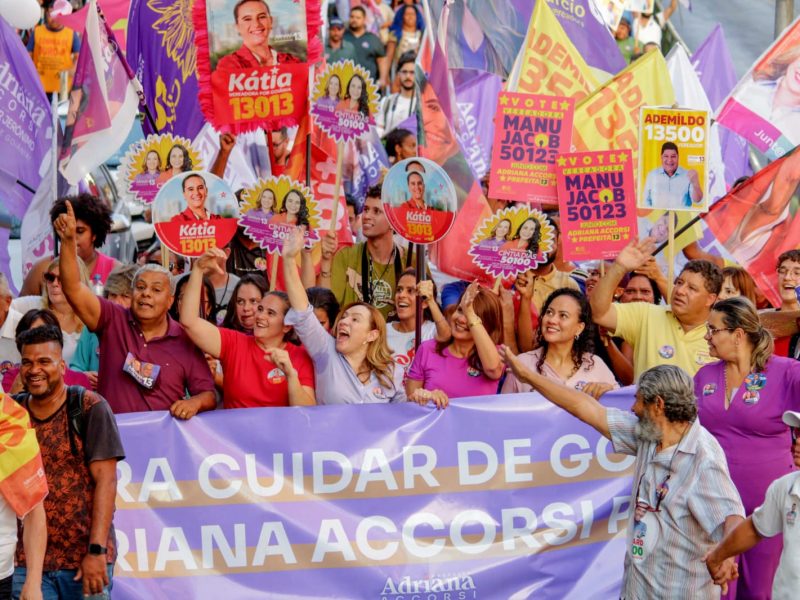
[[741, 400], [53, 299], [354, 366]]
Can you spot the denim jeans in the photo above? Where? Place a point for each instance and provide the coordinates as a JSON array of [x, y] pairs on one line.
[[60, 585]]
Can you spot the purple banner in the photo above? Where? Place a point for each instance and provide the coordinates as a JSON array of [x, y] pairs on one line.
[[714, 66], [162, 53], [476, 96], [494, 497], [24, 123]]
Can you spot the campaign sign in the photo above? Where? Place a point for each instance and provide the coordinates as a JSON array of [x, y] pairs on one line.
[[252, 62], [596, 203], [273, 208], [530, 132], [512, 241], [150, 163], [419, 200], [345, 100], [194, 212], [673, 171]]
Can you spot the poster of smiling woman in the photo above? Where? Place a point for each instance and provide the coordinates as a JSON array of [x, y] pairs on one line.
[[252, 62], [150, 163]]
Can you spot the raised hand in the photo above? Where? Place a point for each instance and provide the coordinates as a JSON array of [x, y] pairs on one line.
[[226, 142], [211, 262], [524, 284], [66, 225], [636, 254], [425, 291], [329, 245], [293, 243]]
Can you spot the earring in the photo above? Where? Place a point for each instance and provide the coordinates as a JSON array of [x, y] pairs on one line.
[[577, 335]]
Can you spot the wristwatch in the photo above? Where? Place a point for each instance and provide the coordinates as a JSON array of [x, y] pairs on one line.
[[97, 549]]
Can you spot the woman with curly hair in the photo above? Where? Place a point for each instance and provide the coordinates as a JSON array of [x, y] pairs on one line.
[[293, 210], [527, 237], [564, 347], [178, 161], [356, 99], [94, 224]]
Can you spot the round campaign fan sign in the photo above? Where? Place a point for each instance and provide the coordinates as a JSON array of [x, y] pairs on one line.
[[419, 200], [345, 101], [194, 212], [273, 208], [512, 241], [152, 162]]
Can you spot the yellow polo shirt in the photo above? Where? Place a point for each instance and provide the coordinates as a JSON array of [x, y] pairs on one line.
[[544, 285], [658, 338]]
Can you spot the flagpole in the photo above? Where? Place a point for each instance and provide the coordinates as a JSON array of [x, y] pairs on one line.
[[54, 110]]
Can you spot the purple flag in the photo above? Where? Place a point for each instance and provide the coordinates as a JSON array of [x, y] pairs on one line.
[[370, 163], [161, 51], [712, 61], [25, 124], [476, 96]]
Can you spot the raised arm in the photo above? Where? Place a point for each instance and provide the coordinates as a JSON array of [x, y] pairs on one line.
[[578, 404], [204, 335], [487, 351], [632, 257], [425, 294], [82, 300], [226, 143], [292, 245]]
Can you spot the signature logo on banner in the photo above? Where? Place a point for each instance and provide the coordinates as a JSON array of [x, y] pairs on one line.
[[454, 587]]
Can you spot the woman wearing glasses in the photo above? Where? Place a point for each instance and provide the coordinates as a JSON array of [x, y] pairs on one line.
[[741, 400]]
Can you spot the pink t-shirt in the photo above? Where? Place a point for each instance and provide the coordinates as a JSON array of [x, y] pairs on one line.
[[447, 373], [592, 370]]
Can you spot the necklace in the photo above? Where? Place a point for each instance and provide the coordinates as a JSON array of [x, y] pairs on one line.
[[372, 276]]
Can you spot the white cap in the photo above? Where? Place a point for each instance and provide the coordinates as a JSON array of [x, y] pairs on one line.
[[791, 418]]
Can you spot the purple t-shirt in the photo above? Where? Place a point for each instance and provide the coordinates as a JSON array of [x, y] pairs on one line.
[[182, 366], [447, 373]]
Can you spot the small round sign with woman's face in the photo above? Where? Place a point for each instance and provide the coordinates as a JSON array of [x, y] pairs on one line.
[[151, 162], [273, 208], [345, 101], [194, 212], [512, 241], [419, 200]]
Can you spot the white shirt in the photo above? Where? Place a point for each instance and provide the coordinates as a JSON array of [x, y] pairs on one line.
[[774, 517], [401, 343], [8, 538], [8, 344], [651, 32], [394, 109]]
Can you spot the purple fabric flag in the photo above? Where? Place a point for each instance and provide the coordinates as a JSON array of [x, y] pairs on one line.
[[163, 55], [476, 96], [25, 125], [370, 163], [712, 61], [496, 497]]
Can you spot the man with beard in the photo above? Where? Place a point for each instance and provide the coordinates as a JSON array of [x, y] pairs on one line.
[[682, 492], [673, 334], [398, 107], [144, 332], [80, 447]]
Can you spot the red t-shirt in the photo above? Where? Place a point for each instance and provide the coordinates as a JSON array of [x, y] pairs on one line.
[[252, 380]]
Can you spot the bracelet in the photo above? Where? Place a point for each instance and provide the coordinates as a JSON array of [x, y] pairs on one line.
[[474, 323], [325, 273]]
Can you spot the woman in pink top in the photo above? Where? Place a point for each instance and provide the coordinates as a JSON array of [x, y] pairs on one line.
[[468, 363], [564, 344]]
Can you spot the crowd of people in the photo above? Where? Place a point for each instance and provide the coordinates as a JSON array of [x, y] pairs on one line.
[[713, 428]]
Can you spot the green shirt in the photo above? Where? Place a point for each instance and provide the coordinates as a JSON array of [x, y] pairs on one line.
[[346, 279], [347, 51], [368, 48]]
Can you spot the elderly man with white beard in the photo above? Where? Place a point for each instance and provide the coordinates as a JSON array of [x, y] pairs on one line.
[[684, 499]]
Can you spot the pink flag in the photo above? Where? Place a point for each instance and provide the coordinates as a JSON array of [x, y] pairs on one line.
[[103, 102]]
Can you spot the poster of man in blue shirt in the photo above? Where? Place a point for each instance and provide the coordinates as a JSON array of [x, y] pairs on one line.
[[670, 186]]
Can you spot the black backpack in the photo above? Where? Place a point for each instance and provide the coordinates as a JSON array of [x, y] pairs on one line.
[[75, 414]]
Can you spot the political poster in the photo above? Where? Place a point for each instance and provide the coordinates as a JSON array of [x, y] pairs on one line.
[[763, 107], [419, 200], [252, 63], [345, 101], [512, 241], [273, 208], [150, 163], [673, 170], [495, 497], [530, 131], [195, 211], [597, 203]]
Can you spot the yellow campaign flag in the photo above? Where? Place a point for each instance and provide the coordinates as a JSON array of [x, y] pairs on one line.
[[549, 63], [609, 118], [22, 479]]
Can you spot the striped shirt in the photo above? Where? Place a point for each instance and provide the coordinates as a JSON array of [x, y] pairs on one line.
[[664, 550]]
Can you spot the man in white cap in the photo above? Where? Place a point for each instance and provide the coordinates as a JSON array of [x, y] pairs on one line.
[[778, 514]]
